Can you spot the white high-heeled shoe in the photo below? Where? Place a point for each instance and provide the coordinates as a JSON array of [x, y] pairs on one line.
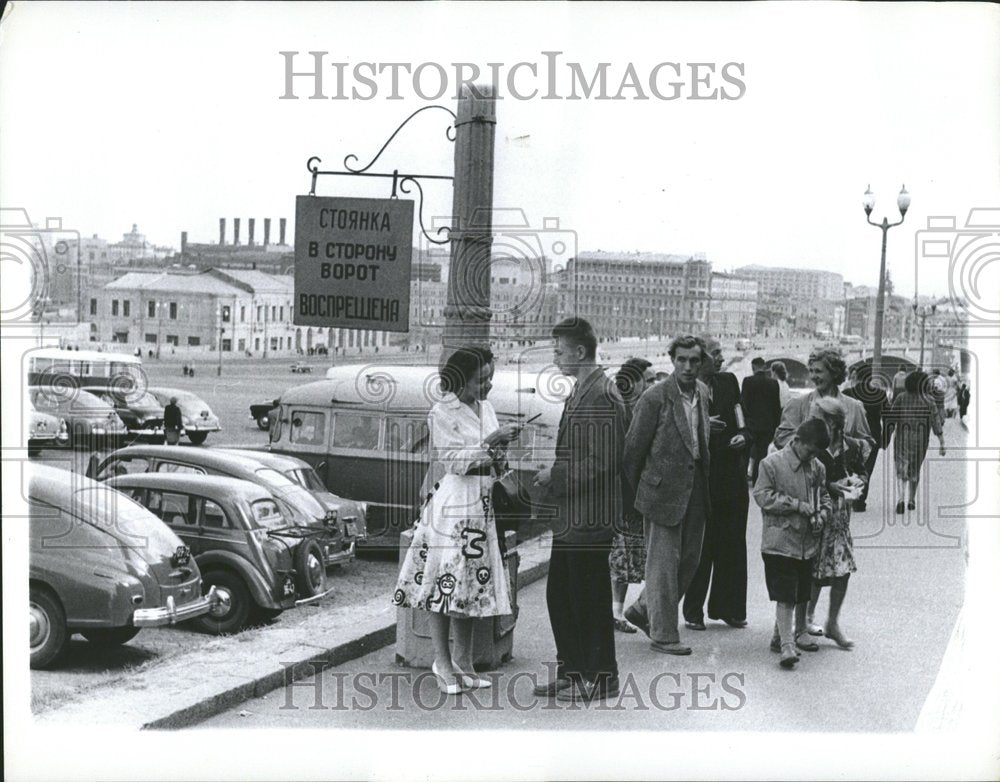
[[473, 681], [443, 685]]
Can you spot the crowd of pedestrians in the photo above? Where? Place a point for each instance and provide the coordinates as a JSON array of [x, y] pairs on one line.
[[651, 484]]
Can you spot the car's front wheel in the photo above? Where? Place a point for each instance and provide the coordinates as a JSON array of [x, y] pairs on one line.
[[47, 627], [310, 569], [232, 609], [197, 437], [111, 636]]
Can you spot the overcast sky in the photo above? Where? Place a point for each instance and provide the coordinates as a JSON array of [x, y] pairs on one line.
[[169, 116]]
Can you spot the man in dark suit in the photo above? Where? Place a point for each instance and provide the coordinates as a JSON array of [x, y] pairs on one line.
[[724, 549], [666, 464], [584, 489], [876, 402], [761, 400]]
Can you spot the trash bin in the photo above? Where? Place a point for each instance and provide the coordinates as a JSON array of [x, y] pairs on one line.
[[492, 637]]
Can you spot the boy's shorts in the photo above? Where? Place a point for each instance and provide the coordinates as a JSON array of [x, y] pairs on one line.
[[788, 580]]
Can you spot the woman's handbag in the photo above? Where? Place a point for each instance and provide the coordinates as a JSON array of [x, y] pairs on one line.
[[511, 501]]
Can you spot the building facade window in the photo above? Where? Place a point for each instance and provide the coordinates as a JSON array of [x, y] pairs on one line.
[[151, 339], [126, 308], [93, 306], [119, 336], [241, 345], [227, 345], [260, 315], [194, 341], [172, 339], [274, 312], [281, 313], [114, 308], [274, 343], [151, 309], [173, 310], [256, 343], [227, 314], [243, 313]]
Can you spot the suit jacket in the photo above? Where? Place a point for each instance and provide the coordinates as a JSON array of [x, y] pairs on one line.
[[585, 492], [761, 398], [659, 459]]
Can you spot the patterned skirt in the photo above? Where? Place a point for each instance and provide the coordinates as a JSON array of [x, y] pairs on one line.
[[627, 559], [454, 565], [835, 556]]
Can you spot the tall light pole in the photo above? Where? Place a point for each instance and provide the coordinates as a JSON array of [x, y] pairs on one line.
[[903, 203], [923, 312]]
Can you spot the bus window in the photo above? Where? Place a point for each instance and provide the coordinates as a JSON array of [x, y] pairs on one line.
[[407, 435], [308, 427], [356, 430]]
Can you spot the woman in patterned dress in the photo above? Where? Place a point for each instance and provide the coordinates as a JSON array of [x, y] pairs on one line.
[[454, 568], [844, 462], [627, 559], [912, 417]]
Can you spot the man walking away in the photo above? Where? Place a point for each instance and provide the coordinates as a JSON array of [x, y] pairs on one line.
[[666, 464], [761, 400], [172, 422], [584, 488]]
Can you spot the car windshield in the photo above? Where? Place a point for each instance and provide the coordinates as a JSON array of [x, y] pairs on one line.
[[273, 478], [307, 477], [122, 517], [291, 492], [146, 400]]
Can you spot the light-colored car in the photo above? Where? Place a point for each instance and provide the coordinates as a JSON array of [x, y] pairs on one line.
[[45, 431], [196, 416], [101, 565], [89, 420]]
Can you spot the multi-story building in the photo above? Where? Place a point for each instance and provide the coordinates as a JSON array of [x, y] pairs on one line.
[[733, 308], [242, 311], [798, 283], [636, 294]]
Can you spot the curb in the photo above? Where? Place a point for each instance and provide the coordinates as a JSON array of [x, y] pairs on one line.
[[312, 664]]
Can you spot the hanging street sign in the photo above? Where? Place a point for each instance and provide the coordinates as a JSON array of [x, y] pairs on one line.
[[352, 262]]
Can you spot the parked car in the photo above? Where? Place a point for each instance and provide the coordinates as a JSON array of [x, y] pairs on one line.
[[262, 412], [350, 513], [101, 565], [141, 412], [298, 368], [45, 431], [240, 539], [298, 506], [196, 416], [89, 420]]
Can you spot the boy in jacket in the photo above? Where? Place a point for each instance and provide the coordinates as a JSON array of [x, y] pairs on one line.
[[791, 492]]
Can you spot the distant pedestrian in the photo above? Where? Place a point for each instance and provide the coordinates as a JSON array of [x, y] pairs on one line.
[[191, 371], [172, 422], [780, 373], [938, 388], [760, 397], [184, 370], [794, 502], [964, 397], [628, 549], [913, 416], [899, 381], [951, 395]]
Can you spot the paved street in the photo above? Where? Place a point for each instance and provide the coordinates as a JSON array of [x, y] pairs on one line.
[[900, 610]]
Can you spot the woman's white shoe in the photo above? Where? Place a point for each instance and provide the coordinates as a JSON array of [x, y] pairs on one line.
[[447, 689]]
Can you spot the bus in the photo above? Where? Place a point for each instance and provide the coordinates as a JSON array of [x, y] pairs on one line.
[[57, 367]]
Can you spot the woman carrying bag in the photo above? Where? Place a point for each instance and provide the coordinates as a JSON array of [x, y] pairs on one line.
[[454, 567]]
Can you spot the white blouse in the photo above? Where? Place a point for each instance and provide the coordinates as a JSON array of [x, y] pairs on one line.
[[457, 437]]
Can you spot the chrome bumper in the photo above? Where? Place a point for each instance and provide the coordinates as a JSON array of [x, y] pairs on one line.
[[314, 598], [170, 614], [336, 557]]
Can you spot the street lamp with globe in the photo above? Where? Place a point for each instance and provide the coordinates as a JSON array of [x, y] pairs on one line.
[[903, 203]]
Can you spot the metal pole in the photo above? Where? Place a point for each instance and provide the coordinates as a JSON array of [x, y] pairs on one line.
[[923, 324], [880, 305], [467, 313]]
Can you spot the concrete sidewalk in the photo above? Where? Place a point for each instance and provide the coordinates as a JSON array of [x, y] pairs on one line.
[[193, 687]]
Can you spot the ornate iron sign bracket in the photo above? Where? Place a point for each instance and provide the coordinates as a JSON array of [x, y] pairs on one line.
[[400, 181]]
